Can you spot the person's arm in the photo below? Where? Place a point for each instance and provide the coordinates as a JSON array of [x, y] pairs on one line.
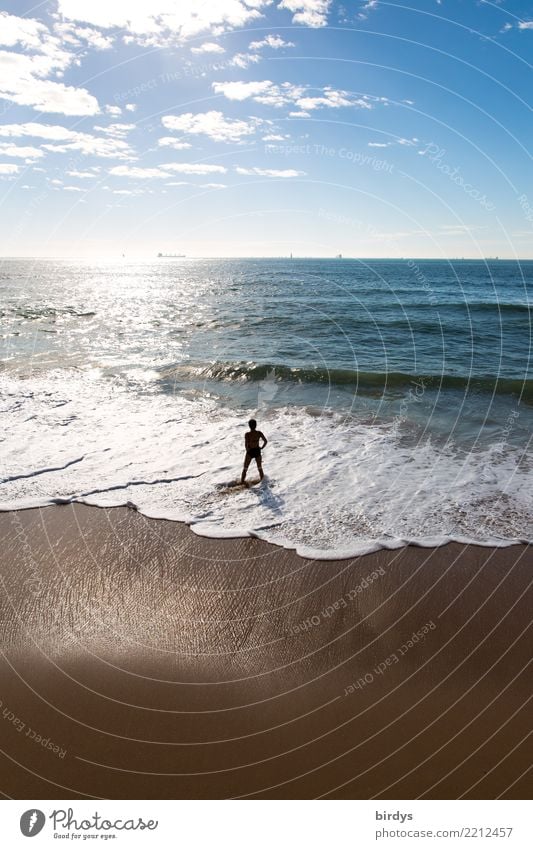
[[265, 440], [246, 441]]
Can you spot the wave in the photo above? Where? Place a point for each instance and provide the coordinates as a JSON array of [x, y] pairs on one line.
[[365, 485], [210, 530], [361, 381], [472, 306], [406, 311], [38, 313]]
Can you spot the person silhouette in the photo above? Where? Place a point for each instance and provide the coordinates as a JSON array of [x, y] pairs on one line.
[[252, 441]]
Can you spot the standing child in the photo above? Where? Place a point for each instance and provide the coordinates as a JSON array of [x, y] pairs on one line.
[[253, 449]]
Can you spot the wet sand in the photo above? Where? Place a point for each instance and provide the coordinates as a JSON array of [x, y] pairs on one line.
[[142, 661]]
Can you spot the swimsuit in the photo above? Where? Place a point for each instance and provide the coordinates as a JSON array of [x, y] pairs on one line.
[[254, 453]]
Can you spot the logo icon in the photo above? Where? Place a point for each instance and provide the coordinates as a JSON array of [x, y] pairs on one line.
[[32, 822]]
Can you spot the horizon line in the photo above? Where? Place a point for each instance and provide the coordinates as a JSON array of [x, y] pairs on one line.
[[338, 258]]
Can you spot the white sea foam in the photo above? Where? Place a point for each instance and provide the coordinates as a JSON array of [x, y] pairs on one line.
[[335, 487]]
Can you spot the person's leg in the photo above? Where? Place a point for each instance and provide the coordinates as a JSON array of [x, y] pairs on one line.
[[245, 467], [259, 467]]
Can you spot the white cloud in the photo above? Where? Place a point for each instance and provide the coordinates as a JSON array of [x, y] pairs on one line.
[[107, 148], [243, 60], [310, 13], [14, 150], [212, 124], [23, 32], [274, 138], [243, 90], [23, 76], [82, 36], [18, 86], [72, 189], [270, 172], [94, 38], [177, 144], [164, 21], [40, 131], [8, 168], [398, 140], [130, 107], [87, 144], [208, 47], [273, 41], [367, 7], [194, 168], [331, 99], [119, 130], [115, 111], [137, 173], [525, 25], [213, 186], [82, 175], [271, 94]]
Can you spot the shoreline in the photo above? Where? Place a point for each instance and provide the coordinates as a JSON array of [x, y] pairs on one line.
[[359, 548], [164, 664]]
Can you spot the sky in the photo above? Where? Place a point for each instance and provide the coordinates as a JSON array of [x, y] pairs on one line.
[[266, 127]]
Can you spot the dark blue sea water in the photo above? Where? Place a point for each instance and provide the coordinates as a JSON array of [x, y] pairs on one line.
[[399, 393]]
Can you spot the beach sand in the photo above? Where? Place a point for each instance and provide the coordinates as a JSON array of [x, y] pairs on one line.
[[142, 661]]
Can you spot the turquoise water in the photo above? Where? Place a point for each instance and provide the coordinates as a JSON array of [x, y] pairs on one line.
[[425, 352]]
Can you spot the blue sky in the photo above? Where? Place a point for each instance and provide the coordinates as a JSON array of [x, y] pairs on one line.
[[264, 127]]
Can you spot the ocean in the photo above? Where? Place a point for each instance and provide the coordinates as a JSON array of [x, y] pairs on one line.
[[396, 395]]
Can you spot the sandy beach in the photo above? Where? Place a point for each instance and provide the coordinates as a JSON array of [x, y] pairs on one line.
[[142, 661]]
